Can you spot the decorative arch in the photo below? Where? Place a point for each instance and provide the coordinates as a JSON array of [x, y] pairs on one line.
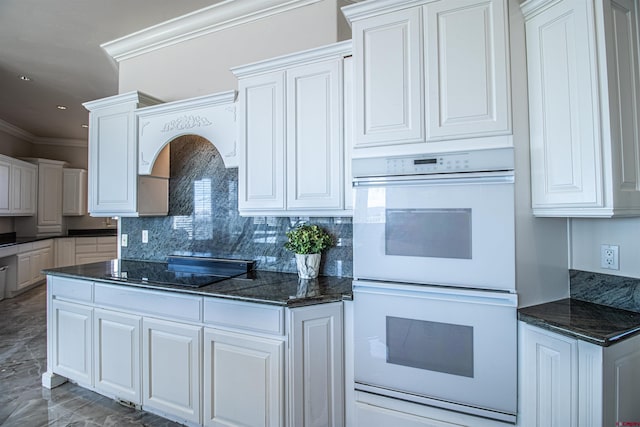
[[212, 117]]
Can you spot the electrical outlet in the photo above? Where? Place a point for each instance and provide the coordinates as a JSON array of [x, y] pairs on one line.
[[609, 257], [145, 236], [124, 240]]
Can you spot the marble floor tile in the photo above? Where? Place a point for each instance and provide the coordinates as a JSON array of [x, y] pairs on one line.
[[23, 359]]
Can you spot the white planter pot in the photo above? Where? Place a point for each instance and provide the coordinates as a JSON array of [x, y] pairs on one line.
[[308, 265]]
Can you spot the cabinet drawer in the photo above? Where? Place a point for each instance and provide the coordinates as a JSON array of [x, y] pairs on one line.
[[162, 304], [255, 317], [73, 289], [86, 244], [43, 244], [106, 244]]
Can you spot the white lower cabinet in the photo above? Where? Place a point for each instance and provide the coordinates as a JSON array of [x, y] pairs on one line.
[[71, 334], [171, 368], [198, 360], [569, 382], [32, 258], [243, 379], [116, 352]]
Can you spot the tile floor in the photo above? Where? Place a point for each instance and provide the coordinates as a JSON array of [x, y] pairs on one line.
[[23, 359]]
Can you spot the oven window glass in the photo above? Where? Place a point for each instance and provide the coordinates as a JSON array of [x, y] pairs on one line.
[[435, 233], [434, 346]]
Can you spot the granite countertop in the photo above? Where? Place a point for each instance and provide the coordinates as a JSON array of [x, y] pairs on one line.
[[595, 323], [10, 239], [266, 287]]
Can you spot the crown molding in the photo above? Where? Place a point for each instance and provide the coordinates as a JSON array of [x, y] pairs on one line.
[[65, 142], [12, 130], [217, 17], [367, 9]]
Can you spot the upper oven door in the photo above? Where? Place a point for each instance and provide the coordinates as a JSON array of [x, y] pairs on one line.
[[454, 230]]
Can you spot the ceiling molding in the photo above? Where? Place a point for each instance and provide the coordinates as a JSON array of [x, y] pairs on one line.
[[12, 130], [66, 142], [217, 17]]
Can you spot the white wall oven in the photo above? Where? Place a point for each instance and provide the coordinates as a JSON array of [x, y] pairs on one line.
[[435, 315]]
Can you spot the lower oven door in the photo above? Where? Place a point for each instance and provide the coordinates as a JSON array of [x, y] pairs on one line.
[[446, 347]]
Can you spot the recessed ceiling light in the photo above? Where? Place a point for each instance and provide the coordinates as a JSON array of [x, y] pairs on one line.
[[25, 78], [84, 126], [61, 107]]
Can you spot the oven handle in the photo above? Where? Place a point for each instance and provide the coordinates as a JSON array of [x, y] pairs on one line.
[[499, 177], [472, 296]]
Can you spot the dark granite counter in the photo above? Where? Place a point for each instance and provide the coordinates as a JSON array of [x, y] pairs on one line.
[[265, 287], [595, 323], [10, 239]]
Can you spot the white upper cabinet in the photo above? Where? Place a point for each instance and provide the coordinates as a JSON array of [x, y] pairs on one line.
[[583, 107], [115, 189], [467, 69], [430, 76], [18, 181], [292, 134], [388, 85]]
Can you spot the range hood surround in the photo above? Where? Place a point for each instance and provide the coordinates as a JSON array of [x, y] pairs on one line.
[[212, 117]]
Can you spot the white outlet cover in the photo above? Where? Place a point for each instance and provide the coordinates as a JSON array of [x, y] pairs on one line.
[[609, 257], [124, 240], [145, 236]]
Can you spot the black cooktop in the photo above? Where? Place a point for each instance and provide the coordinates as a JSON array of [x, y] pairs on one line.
[[192, 272]]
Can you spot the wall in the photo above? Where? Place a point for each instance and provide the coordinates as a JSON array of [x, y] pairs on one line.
[[588, 234], [203, 219], [201, 66]]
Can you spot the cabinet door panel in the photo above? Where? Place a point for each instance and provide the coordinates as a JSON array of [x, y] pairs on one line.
[[261, 173], [314, 140], [24, 277], [565, 158], [117, 354], [240, 372], [171, 368], [5, 187], [50, 196], [388, 79], [549, 369], [71, 330], [468, 72], [112, 142]]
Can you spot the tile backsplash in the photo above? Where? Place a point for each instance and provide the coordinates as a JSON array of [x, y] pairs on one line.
[[203, 219]]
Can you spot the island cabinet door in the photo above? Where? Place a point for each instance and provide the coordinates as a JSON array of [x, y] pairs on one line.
[[243, 380], [71, 341], [117, 354], [171, 369]]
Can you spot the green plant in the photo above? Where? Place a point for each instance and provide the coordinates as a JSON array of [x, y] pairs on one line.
[[308, 239]]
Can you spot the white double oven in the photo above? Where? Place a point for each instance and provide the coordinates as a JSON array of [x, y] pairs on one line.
[[435, 316]]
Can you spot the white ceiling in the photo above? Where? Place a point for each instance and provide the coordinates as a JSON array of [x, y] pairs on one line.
[[57, 44]]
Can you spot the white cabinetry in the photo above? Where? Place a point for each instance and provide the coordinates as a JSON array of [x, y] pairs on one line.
[[291, 134], [243, 379], [316, 388], [116, 352], [570, 382], [430, 76], [115, 189], [65, 250], [74, 192], [255, 364], [584, 83], [71, 332], [18, 181], [171, 355]]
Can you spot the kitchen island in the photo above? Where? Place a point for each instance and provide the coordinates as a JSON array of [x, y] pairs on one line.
[[258, 349]]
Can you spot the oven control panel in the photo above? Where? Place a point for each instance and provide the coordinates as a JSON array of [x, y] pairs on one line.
[[464, 161]]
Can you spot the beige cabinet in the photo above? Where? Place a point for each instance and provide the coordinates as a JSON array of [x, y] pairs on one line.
[[95, 249], [18, 187], [48, 218], [584, 94], [291, 134], [115, 189], [74, 192], [430, 76]]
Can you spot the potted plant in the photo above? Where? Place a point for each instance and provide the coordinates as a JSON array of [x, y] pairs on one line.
[[307, 242]]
